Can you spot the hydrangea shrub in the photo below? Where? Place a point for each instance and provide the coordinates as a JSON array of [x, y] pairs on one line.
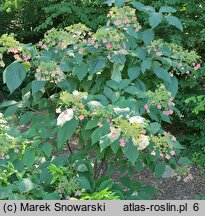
[[111, 88]]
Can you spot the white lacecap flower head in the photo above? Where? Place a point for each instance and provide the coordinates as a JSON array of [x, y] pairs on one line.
[[121, 110], [114, 135], [76, 93], [65, 116], [142, 142], [94, 105], [137, 119], [80, 94]]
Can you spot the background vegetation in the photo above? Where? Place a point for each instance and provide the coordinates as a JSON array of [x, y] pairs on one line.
[[188, 123]]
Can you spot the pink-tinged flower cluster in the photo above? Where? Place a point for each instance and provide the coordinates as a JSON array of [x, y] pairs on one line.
[[104, 40], [63, 38], [159, 53], [168, 112], [42, 45], [78, 193], [112, 41], [108, 120], [81, 117], [147, 108], [184, 173], [188, 178], [167, 156], [160, 99], [17, 57], [27, 57], [4, 155], [180, 64], [20, 53], [99, 124], [16, 150], [108, 46], [123, 18], [14, 50], [170, 103], [174, 138], [163, 143], [122, 143], [156, 51], [196, 66], [165, 133], [117, 22], [91, 41], [171, 74], [81, 50], [144, 131], [49, 71], [159, 106]]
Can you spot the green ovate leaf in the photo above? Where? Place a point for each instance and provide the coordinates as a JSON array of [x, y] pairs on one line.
[[7, 103], [116, 73], [37, 85], [81, 166], [177, 145], [133, 72], [138, 5], [155, 19], [14, 75], [92, 124], [154, 127], [172, 86], [148, 36], [47, 149], [146, 65], [84, 183], [99, 132], [29, 157], [160, 168], [140, 53], [80, 70], [5, 192], [162, 74], [167, 9], [95, 64], [119, 3], [184, 160], [172, 20], [130, 151], [66, 131]]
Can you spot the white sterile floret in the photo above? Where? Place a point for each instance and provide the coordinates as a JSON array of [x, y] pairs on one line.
[[142, 142], [92, 105], [65, 116], [80, 94], [76, 93], [137, 119], [114, 134], [121, 110]]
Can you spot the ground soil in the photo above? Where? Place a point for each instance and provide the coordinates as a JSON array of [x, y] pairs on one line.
[[175, 189], [169, 188]]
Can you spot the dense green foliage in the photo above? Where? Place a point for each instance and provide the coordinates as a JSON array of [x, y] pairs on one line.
[[16, 15]]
